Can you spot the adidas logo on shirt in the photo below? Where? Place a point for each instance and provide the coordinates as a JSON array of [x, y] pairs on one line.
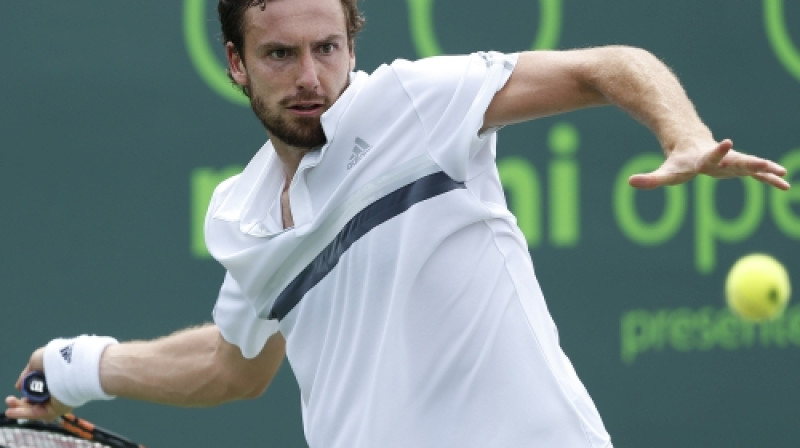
[[360, 149]]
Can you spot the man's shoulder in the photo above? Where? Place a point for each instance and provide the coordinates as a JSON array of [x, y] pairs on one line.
[[425, 66], [221, 192], [233, 195], [435, 70], [224, 188]]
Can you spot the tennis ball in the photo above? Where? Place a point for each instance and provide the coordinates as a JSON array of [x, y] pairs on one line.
[[757, 288]]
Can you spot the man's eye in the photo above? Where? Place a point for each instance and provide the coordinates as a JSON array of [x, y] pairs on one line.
[[280, 53], [327, 48]]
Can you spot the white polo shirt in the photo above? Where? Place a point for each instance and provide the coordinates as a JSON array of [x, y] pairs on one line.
[[405, 290]]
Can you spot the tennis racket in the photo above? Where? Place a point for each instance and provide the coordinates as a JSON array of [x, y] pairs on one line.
[[68, 432]]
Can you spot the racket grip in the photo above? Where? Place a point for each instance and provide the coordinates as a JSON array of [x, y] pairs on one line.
[[34, 388]]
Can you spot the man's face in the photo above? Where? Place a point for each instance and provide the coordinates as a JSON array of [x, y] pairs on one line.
[[296, 63]]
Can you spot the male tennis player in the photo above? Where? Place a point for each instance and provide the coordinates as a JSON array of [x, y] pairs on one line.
[[369, 241]]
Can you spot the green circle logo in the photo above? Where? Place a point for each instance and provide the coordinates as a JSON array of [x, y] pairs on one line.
[[775, 21], [423, 30], [202, 54], [207, 65]]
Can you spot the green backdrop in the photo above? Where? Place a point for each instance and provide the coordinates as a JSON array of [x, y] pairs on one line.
[[115, 130]]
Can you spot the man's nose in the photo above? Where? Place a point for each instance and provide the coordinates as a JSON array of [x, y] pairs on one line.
[[307, 76]]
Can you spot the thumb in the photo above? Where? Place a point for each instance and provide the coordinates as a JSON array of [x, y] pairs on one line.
[[646, 181], [36, 363], [661, 177]]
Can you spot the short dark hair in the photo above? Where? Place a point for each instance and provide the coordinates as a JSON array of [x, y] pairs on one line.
[[231, 19]]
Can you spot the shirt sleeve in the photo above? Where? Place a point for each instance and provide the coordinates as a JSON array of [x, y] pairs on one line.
[[450, 95], [237, 320]]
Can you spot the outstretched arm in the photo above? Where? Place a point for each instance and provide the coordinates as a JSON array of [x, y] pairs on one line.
[[550, 82], [192, 367]]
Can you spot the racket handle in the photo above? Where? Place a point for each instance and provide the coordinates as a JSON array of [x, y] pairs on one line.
[[34, 388]]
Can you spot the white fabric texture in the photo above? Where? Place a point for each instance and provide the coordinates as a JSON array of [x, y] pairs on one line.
[[72, 368], [428, 328]]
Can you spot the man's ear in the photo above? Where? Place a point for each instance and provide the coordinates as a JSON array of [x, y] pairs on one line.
[[236, 64]]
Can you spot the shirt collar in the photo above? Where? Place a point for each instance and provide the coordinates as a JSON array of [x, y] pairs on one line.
[[252, 195], [332, 117]]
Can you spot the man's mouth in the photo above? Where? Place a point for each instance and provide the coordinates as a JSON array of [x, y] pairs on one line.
[[306, 108]]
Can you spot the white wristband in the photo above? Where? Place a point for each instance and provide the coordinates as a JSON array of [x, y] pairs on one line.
[[72, 368]]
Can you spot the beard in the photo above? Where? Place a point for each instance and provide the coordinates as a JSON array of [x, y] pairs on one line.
[[300, 132]]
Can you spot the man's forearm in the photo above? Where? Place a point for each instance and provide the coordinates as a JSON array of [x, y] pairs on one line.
[[193, 367], [642, 85]]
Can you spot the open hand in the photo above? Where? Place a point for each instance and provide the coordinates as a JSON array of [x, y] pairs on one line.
[[683, 165]]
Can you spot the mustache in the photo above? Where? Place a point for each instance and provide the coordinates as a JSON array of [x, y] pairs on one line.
[[310, 97]]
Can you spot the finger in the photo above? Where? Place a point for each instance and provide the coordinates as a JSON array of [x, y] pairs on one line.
[[772, 179], [658, 178], [746, 164], [775, 168], [12, 401], [645, 181], [18, 384], [757, 165], [22, 409], [35, 363], [738, 163], [17, 408], [716, 156]]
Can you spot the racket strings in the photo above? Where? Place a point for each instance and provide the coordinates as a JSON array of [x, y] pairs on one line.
[[31, 438]]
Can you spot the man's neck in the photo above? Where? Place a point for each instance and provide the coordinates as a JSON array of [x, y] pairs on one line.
[[290, 157]]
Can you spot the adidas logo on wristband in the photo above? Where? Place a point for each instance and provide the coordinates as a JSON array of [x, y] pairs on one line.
[[72, 367], [66, 353]]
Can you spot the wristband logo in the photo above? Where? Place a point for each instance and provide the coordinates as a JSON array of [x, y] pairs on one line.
[[66, 353], [779, 37], [423, 30]]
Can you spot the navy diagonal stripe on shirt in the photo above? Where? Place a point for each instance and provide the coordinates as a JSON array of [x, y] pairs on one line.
[[375, 214]]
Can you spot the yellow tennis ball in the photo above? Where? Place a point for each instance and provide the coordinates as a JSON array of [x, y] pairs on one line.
[[757, 288]]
